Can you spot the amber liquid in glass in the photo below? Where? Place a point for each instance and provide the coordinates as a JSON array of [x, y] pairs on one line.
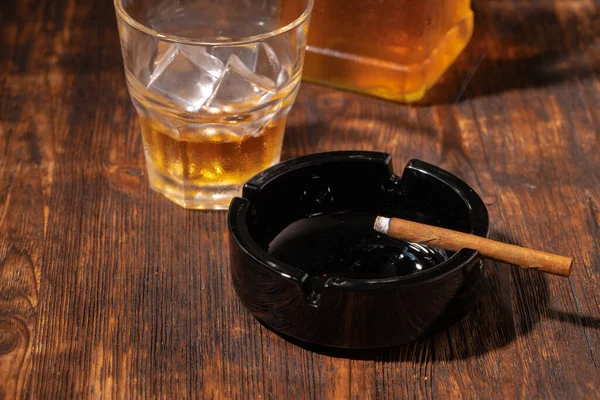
[[395, 49], [210, 160]]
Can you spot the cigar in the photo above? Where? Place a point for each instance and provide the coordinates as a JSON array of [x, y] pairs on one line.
[[448, 239]]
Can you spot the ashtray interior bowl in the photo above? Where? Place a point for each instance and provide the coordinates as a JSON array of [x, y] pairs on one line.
[[306, 261]]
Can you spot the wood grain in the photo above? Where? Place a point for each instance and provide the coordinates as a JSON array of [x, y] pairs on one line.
[[107, 290]]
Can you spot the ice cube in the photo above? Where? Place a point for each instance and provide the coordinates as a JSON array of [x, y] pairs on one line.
[[200, 57], [246, 54], [186, 75], [162, 61], [267, 62], [240, 89]]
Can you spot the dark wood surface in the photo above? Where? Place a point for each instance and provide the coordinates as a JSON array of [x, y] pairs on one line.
[[109, 290]]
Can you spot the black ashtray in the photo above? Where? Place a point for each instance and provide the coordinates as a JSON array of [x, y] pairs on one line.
[[306, 261]]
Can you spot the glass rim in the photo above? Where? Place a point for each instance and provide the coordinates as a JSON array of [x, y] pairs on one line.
[[217, 42]]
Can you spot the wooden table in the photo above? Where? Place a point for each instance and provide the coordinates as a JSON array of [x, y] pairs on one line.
[[109, 290]]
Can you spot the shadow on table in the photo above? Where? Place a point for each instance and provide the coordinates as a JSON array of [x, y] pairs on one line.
[[522, 44], [511, 304]]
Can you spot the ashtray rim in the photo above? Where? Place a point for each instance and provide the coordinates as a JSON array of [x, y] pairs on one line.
[[244, 241]]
